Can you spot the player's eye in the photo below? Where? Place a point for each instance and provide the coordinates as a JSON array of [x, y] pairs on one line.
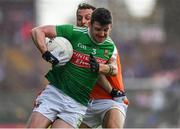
[[79, 18]]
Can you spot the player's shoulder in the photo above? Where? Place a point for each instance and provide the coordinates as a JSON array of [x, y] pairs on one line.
[[109, 40], [64, 25], [80, 29]]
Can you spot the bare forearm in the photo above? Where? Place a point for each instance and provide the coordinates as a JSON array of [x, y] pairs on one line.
[[108, 69], [39, 40], [38, 35], [104, 83]]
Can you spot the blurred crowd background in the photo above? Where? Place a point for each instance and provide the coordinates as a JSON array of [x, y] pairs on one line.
[[149, 46]]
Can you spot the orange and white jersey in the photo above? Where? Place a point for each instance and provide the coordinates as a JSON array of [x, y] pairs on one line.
[[115, 81]]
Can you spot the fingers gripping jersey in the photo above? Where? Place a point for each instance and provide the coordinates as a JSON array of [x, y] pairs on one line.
[[115, 81], [75, 78]]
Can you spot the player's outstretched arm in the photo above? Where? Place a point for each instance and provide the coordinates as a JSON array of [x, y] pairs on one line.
[[104, 83]]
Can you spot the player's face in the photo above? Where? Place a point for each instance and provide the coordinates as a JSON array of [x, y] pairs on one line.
[[99, 32], [83, 17]]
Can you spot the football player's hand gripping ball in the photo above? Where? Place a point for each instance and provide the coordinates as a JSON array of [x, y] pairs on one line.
[[50, 58]]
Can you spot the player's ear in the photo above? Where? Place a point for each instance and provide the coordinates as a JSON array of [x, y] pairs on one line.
[[110, 27]]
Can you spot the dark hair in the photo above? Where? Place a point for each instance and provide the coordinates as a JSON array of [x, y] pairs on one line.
[[101, 15], [85, 6]]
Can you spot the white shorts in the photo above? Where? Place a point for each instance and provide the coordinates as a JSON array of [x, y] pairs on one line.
[[97, 109], [53, 104]]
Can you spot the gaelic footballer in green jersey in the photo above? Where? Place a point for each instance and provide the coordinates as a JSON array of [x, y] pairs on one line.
[[76, 79]]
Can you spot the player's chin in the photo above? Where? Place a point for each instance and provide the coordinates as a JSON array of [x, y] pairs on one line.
[[100, 40], [82, 25]]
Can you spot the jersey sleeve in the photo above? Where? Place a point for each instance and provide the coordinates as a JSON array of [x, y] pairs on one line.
[[115, 52], [65, 31]]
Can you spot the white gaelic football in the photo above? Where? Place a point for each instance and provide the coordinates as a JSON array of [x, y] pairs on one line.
[[61, 48]]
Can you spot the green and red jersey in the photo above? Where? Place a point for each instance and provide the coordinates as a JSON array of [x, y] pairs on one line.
[[75, 78]]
